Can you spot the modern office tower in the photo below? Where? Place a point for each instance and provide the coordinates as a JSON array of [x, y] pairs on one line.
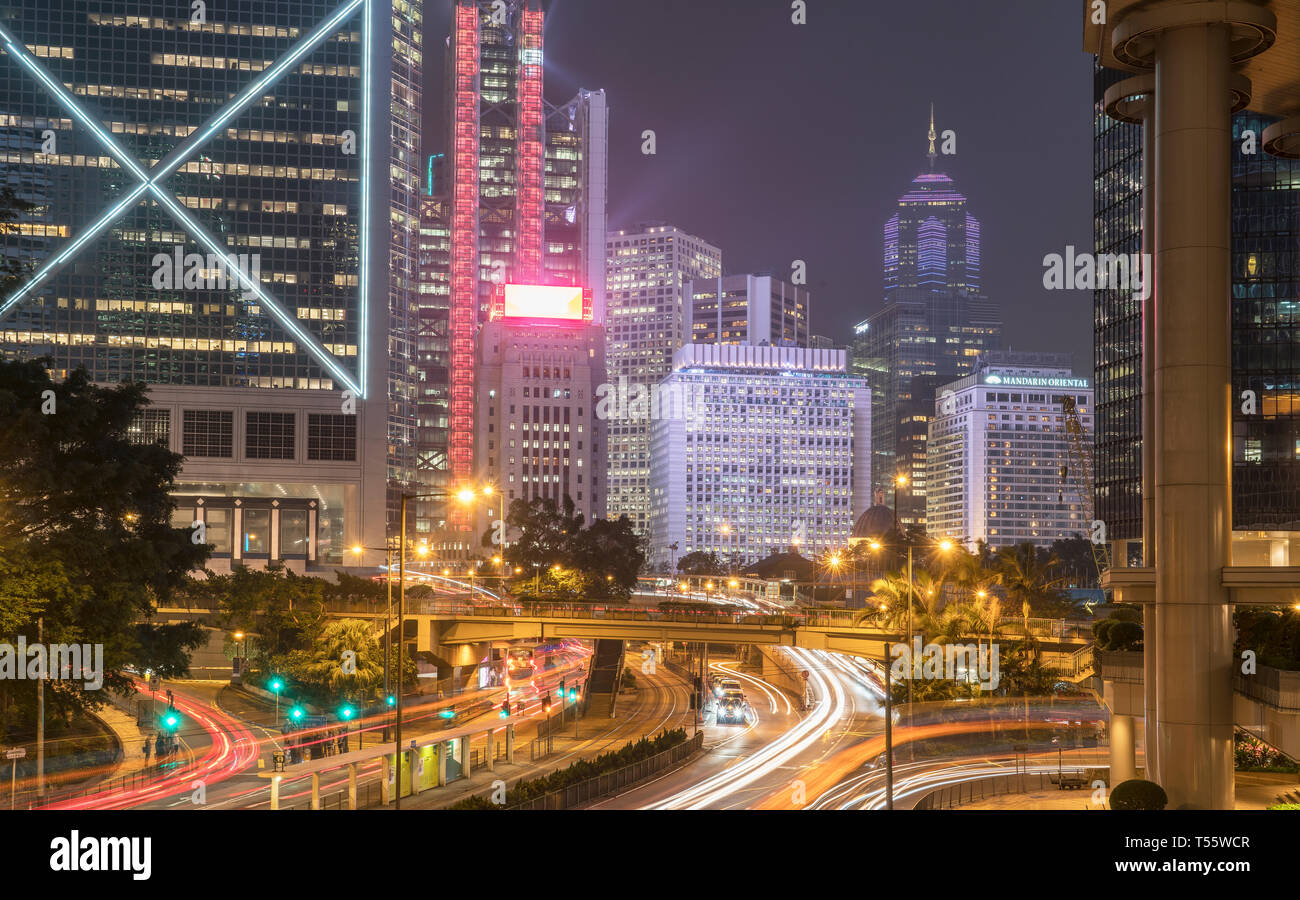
[[233, 224], [432, 320], [755, 449], [577, 153], [997, 448], [754, 309], [647, 270], [932, 327], [523, 202], [920, 341], [1265, 300], [541, 362], [933, 240]]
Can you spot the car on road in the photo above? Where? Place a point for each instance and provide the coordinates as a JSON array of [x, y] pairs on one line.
[[722, 685], [732, 708]]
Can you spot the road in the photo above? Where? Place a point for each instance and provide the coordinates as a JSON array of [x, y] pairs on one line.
[[774, 752]]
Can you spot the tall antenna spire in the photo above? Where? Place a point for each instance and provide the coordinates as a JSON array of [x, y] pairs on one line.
[[932, 154]]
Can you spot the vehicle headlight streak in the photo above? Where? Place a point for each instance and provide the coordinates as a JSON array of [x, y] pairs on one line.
[[795, 741], [150, 183]]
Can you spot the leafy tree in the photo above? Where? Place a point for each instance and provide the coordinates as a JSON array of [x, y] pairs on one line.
[[354, 589], [610, 555], [90, 512], [278, 608], [602, 559], [701, 562], [545, 529], [12, 268], [1076, 565], [166, 649]]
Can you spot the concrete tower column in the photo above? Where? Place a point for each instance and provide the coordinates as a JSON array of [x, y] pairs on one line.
[[1192, 47], [1123, 755]]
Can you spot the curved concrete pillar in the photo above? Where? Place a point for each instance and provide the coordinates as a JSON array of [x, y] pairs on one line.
[[1123, 754], [1191, 47]]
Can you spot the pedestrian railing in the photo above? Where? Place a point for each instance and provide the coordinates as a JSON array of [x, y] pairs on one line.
[[592, 789], [977, 790]]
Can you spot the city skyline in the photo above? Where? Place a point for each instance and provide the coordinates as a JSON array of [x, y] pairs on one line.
[[792, 188], [560, 404]]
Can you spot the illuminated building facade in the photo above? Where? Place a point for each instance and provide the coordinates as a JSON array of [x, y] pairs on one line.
[[521, 199], [153, 143], [541, 362], [757, 449], [754, 309], [648, 268], [996, 451], [931, 329], [921, 340], [1265, 303]]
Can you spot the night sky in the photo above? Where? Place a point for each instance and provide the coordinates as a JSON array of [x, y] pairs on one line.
[[779, 142]]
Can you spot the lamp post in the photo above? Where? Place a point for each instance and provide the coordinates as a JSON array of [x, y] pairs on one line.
[[466, 496], [422, 550], [889, 736], [900, 480], [944, 546]]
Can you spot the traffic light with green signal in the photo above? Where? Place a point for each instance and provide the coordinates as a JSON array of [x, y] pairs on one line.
[[296, 713], [171, 720], [346, 713], [505, 709]]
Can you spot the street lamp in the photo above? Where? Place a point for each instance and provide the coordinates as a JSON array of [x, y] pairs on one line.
[[465, 495], [943, 546], [388, 625]]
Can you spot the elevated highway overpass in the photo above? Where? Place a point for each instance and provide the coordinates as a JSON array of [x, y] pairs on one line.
[[435, 624]]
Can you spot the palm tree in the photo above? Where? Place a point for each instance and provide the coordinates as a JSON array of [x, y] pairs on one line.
[[890, 593], [1026, 575], [341, 639]]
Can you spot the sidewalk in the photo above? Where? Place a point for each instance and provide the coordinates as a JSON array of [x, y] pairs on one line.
[[1254, 790], [131, 739], [597, 734]]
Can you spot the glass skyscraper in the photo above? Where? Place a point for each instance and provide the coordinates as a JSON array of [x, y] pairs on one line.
[[518, 197], [1265, 323], [933, 326], [211, 215]]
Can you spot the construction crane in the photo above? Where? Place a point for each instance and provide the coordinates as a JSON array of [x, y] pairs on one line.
[[1081, 463]]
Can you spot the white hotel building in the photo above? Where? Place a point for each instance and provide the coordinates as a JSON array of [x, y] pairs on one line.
[[996, 448], [762, 448]]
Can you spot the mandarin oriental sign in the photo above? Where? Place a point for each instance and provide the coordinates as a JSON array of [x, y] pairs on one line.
[[1037, 381]]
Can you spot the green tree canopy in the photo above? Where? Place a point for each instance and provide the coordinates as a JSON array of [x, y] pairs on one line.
[[86, 519]]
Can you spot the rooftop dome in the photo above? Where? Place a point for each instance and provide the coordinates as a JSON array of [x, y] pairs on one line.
[[875, 522]]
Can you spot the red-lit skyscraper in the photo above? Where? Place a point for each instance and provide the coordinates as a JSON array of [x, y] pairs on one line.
[[517, 194]]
